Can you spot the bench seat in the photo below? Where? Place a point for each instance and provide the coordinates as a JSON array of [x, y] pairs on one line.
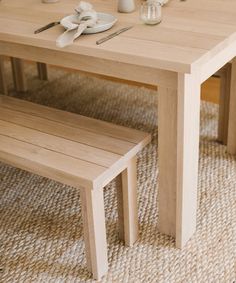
[[77, 151], [67, 147]]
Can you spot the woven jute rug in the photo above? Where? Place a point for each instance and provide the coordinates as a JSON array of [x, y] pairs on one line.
[[40, 220]]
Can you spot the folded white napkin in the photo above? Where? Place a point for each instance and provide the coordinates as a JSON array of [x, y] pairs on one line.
[[75, 24]]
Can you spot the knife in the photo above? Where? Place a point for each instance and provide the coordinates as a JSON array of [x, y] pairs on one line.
[[112, 35], [50, 25]]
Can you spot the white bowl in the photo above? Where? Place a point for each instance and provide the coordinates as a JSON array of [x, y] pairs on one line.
[[105, 22]]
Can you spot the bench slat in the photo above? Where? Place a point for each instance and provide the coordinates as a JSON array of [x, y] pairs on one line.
[[74, 134], [75, 120], [48, 163], [62, 146], [58, 144]]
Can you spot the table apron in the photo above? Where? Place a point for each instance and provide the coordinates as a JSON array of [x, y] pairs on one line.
[[211, 66], [111, 68]]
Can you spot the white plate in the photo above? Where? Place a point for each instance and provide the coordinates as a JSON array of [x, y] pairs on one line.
[[105, 22]]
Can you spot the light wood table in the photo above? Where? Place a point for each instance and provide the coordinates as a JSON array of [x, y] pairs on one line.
[[194, 40]]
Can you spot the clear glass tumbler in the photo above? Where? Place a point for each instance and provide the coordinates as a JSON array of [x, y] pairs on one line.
[[150, 12]]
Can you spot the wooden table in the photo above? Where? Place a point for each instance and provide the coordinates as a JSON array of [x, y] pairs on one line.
[[194, 40]]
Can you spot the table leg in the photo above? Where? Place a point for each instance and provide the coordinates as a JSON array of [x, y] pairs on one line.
[[178, 144], [18, 74], [42, 71], [3, 82], [231, 144], [225, 78]]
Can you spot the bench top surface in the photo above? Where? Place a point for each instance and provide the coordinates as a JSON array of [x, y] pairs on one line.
[[67, 147], [191, 34]]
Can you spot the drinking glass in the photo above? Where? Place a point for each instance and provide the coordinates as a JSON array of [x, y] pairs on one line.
[[150, 12]]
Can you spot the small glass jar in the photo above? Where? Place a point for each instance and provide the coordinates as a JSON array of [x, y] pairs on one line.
[[150, 12]]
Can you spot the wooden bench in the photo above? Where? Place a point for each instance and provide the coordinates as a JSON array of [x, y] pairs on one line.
[[81, 152]]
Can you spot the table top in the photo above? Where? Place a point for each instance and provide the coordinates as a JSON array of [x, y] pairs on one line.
[[191, 33]]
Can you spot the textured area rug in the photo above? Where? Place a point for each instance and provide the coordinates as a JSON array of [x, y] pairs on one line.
[[40, 220]]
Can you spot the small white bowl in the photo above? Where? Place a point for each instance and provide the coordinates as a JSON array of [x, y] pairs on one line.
[[105, 22]]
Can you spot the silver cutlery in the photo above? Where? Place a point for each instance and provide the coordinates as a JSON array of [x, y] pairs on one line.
[[112, 35], [53, 24], [50, 25]]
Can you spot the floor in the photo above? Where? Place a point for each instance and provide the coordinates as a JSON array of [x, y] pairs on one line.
[[40, 220]]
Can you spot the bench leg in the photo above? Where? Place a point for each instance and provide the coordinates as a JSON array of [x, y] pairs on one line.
[[94, 231], [127, 204], [3, 81], [231, 143], [42, 71], [18, 74], [225, 78]]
